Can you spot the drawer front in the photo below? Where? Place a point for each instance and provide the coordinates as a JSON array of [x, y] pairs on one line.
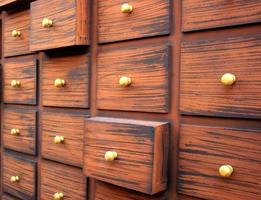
[[204, 14], [21, 70], [141, 147], [203, 93], [68, 126], [24, 174], [19, 130], [16, 33], [146, 67], [74, 70], [58, 178], [58, 23], [145, 20], [204, 149]]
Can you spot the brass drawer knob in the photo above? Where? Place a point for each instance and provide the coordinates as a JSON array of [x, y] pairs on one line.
[[47, 22], [226, 170], [58, 139], [15, 83], [14, 179], [125, 81], [16, 33], [126, 8], [228, 79], [110, 155], [15, 131], [59, 82], [58, 196]]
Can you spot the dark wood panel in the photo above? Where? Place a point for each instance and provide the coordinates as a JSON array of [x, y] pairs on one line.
[[202, 14], [145, 20], [203, 149], [6, 2], [142, 153], [147, 66], [202, 65]]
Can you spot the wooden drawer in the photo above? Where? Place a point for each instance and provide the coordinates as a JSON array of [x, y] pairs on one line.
[[142, 153], [19, 130], [146, 66], [16, 33], [71, 128], [24, 70], [145, 20], [7, 197], [203, 14], [58, 178], [25, 170], [201, 89], [204, 149], [69, 24], [74, 70]]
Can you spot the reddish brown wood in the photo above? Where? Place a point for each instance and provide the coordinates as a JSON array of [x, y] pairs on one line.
[[6, 2], [202, 14], [70, 26], [25, 121], [7, 197], [142, 153], [61, 178]]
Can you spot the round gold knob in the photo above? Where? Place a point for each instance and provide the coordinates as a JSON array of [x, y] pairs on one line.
[[110, 155], [14, 179], [15, 131], [58, 139], [126, 8], [15, 83], [16, 33], [59, 82], [58, 196], [225, 170], [125, 81], [228, 79], [47, 22]]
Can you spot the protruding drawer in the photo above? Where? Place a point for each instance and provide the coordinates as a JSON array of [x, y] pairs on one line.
[[62, 182], [62, 137], [58, 23], [134, 78], [20, 80], [19, 177], [220, 162], [123, 20], [19, 130], [127, 153], [65, 80]]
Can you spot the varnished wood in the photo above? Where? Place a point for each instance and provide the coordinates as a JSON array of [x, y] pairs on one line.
[[7, 197]]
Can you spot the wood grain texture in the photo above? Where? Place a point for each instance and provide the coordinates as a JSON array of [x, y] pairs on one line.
[[24, 69], [19, 21], [70, 24], [61, 178], [6, 2], [25, 121], [74, 69], [149, 18], [16, 166], [204, 149], [142, 153], [147, 66], [202, 65], [71, 126], [204, 14], [7, 197]]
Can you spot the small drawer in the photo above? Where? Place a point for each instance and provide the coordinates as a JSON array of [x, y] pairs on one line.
[[220, 162], [226, 81], [63, 181], [65, 81], [127, 153], [58, 23], [20, 80], [19, 130], [123, 20], [62, 137], [16, 33], [19, 177], [204, 14], [134, 78]]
